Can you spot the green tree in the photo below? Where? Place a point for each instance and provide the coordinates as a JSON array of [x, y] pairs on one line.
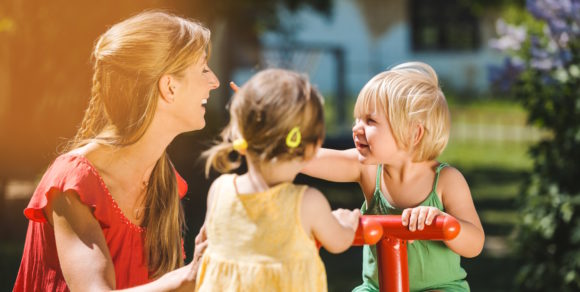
[[543, 73]]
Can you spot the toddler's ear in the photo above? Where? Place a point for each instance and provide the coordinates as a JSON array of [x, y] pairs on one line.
[[418, 132]]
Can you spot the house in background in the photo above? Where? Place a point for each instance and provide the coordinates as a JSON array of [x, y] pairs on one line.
[[360, 38]]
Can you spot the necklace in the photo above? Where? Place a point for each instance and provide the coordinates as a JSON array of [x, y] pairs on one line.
[[139, 211]]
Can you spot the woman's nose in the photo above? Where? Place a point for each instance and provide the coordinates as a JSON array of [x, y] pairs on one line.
[[214, 82]]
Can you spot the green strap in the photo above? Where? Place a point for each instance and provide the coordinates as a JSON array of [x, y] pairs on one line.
[[378, 179], [437, 171]]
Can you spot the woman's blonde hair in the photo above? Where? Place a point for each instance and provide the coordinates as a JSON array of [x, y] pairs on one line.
[[129, 60], [263, 112], [409, 95]]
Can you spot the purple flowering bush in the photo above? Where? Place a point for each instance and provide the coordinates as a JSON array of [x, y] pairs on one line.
[[542, 71]]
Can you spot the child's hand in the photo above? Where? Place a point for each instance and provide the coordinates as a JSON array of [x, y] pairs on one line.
[[234, 86], [347, 218], [416, 218]]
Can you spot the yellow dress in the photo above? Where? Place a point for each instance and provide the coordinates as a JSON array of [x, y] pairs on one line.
[[256, 242]]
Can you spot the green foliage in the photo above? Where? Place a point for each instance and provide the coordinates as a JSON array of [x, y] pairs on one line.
[[549, 230]]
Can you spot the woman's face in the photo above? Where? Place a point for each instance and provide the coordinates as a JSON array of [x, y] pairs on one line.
[[192, 93]]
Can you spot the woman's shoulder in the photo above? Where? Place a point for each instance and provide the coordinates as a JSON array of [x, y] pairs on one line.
[[68, 172], [71, 168]]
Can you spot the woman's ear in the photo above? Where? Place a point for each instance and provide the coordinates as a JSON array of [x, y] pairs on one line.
[[418, 132], [167, 88]]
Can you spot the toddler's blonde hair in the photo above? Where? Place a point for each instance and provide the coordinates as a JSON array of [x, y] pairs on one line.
[[409, 94]]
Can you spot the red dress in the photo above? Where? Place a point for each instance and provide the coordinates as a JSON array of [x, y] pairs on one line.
[[40, 268]]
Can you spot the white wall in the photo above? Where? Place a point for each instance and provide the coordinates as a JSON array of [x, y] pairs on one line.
[[364, 58]]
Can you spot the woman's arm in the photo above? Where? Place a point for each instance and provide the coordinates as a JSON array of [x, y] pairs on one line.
[[335, 165], [83, 253], [333, 229]]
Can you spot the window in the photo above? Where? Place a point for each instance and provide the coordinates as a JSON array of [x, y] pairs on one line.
[[443, 25]]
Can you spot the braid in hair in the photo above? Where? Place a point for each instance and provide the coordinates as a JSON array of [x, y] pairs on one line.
[[95, 118]]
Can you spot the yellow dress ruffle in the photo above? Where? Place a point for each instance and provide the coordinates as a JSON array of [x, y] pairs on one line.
[[256, 242]]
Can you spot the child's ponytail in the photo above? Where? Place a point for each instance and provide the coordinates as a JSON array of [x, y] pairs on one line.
[[220, 155]]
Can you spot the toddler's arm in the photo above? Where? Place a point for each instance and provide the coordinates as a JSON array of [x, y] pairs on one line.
[[334, 230], [456, 197], [335, 165]]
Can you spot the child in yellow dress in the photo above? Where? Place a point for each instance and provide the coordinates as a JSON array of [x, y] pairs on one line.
[[261, 228]]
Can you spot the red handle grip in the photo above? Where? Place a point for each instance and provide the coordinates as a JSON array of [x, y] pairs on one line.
[[444, 227], [369, 231]]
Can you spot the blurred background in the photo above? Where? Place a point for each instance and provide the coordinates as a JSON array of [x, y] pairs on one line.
[[508, 69]]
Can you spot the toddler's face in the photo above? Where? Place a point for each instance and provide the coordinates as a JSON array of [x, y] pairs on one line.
[[373, 138]]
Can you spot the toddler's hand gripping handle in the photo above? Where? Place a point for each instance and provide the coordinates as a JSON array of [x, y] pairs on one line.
[[442, 228]]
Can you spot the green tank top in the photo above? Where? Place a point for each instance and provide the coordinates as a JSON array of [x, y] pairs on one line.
[[432, 265]]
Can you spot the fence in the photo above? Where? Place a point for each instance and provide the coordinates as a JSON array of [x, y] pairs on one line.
[[473, 126]]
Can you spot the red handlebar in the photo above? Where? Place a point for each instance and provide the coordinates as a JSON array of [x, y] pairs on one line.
[[373, 228], [369, 231], [389, 235]]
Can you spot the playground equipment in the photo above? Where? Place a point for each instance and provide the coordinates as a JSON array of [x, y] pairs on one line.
[[390, 237]]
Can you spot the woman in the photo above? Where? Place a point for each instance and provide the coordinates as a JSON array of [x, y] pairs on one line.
[[106, 214]]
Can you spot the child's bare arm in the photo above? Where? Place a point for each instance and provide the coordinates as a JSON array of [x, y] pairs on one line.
[[334, 230], [335, 165], [459, 204], [456, 197]]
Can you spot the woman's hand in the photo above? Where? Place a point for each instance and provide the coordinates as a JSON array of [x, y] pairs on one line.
[[200, 246], [184, 277], [416, 218]]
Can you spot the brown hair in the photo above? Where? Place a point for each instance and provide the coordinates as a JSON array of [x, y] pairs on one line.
[[263, 112], [129, 59], [408, 94]]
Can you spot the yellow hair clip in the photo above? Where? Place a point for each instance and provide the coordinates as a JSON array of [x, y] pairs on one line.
[[294, 138], [240, 145]]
